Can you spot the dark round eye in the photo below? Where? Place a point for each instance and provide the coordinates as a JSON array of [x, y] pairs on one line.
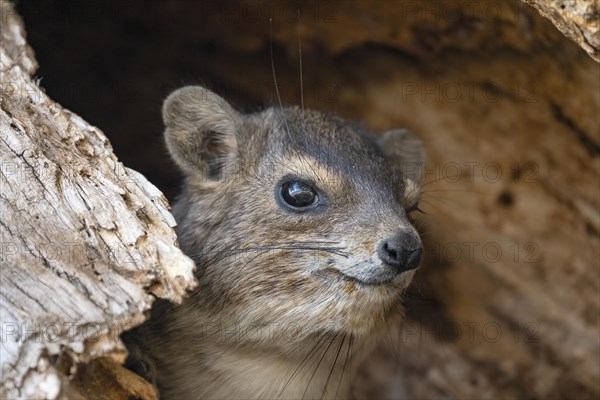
[[298, 194]]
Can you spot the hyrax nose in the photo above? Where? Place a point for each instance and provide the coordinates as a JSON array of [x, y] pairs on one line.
[[401, 253]]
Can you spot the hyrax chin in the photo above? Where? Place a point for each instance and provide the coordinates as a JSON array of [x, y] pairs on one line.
[[299, 224]]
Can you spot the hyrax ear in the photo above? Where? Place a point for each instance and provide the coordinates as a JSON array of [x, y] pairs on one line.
[[200, 131], [404, 151]]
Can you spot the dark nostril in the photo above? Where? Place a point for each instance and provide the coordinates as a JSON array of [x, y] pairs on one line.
[[390, 252], [394, 253]]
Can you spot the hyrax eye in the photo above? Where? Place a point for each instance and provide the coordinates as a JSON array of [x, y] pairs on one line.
[[298, 194], [415, 208]]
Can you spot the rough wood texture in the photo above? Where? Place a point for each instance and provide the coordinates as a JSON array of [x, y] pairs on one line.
[[87, 244], [577, 19]]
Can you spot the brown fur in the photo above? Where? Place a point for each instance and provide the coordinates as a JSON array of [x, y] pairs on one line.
[[278, 287]]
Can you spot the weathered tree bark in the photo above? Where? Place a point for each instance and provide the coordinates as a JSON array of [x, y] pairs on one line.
[[87, 244], [577, 19]]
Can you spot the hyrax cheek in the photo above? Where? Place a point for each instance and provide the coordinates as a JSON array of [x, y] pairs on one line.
[[361, 265]]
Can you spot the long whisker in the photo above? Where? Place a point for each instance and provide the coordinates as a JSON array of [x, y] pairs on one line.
[[333, 365], [387, 326], [308, 163], [300, 60], [303, 362], [443, 201], [453, 179], [344, 367], [275, 77], [319, 364], [416, 285], [448, 190], [332, 250], [296, 246], [299, 245]]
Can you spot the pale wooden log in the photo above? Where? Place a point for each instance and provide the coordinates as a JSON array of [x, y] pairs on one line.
[[577, 19], [87, 244]]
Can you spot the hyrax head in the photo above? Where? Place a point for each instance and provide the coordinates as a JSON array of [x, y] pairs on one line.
[[293, 216]]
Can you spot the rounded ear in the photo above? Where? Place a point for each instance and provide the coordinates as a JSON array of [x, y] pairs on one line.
[[404, 151], [200, 131]]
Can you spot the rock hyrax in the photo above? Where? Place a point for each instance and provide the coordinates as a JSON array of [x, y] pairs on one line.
[[299, 224]]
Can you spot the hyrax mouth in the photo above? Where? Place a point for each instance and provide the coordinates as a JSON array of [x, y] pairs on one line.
[[383, 281]]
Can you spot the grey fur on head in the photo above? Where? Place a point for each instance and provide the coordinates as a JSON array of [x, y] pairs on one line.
[[201, 135]]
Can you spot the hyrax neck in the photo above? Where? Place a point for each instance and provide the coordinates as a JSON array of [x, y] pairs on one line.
[[317, 366]]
